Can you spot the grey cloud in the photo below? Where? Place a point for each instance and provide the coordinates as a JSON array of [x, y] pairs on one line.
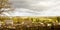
[[40, 7], [27, 4]]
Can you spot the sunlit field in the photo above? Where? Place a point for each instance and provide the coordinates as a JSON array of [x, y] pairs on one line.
[[29, 23]]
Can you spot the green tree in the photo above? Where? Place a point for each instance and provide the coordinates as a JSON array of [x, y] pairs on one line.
[[58, 19]]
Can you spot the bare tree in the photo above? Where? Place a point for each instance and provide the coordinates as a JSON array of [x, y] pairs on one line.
[[5, 6]]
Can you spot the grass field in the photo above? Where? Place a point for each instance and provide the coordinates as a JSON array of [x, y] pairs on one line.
[[29, 23]]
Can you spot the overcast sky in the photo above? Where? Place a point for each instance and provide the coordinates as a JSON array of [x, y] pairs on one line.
[[35, 4], [44, 7]]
